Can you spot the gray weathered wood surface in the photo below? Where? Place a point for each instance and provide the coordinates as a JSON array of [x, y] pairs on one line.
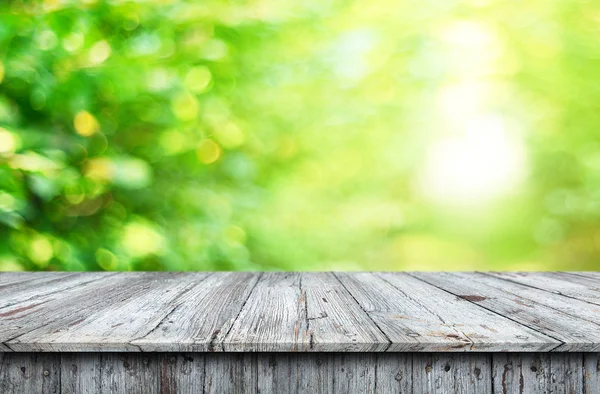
[[575, 323], [299, 312], [278, 373]]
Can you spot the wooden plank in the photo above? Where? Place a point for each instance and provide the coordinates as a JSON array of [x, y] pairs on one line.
[[115, 327], [452, 373], [557, 283], [591, 279], [273, 318], [295, 373], [204, 315], [106, 373], [420, 317], [12, 278], [181, 373], [234, 373], [566, 373], [29, 373], [538, 373], [508, 299], [394, 373], [101, 372], [44, 285], [302, 312], [520, 373], [81, 373], [58, 311], [591, 373], [129, 373], [335, 321], [12, 283], [364, 312], [568, 305], [593, 275], [355, 373]]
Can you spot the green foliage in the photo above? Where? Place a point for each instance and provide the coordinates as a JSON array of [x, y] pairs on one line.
[[216, 135]]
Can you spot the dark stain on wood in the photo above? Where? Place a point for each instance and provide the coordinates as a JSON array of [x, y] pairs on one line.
[[473, 298], [507, 368], [213, 340], [76, 322], [21, 309]]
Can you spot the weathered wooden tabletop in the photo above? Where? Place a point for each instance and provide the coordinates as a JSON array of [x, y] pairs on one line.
[[304, 312]]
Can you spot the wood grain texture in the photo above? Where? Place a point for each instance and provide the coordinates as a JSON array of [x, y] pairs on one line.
[[303, 312], [44, 284], [19, 287], [594, 275], [394, 373], [335, 321], [280, 373], [591, 373], [234, 373], [181, 373], [574, 323], [50, 322], [356, 373], [105, 373], [22, 373], [299, 312], [115, 328], [9, 278], [273, 318], [564, 284], [81, 373], [559, 302], [59, 310], [451, 373], [203, 317], [420, 317], [11, 281], [295, 373], [538, 373]]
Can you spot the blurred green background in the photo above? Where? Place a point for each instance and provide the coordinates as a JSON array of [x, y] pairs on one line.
[[311, 135]]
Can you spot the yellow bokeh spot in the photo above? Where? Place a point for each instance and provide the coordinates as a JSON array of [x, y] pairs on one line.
[[230, 135], [73, 42], [7, 202], [235, 234], [51, 5], [141, 239], [86, 124], [8, 142], [99, 169], [1, 72], [46, 40], [198, 79], [99, 53], [208, 151], [9, 264], [31, 161], [40, 250], [173, 142], [185, 107], [74, 194], [106, 259]]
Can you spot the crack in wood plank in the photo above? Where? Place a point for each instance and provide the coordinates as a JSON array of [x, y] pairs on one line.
[[363, 309]]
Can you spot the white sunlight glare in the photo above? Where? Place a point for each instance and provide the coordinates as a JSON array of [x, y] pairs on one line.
[[477, 165]]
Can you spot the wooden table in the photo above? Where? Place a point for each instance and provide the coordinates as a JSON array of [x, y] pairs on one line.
[[277, 332]]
